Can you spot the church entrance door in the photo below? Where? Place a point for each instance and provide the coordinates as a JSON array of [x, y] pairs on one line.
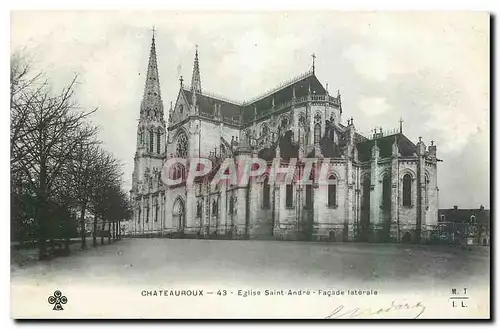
[[179, 214]]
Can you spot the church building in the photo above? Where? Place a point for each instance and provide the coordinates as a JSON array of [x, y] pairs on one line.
[[382, 187]]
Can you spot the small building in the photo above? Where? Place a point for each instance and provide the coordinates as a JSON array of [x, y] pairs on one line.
[[464, 226]]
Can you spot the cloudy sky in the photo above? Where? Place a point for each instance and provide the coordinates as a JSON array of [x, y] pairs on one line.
[[430, 69]]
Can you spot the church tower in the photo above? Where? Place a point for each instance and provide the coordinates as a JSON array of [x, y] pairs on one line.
[[147, 189]]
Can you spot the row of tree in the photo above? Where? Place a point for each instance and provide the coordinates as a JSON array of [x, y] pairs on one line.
[[60, 172]]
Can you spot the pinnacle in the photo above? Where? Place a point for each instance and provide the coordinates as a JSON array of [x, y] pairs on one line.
[[151, 101], [196, 79]]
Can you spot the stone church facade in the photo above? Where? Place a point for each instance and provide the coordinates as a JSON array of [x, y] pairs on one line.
[[382, 187]]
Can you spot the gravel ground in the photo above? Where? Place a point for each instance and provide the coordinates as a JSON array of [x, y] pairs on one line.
[[163, 261]]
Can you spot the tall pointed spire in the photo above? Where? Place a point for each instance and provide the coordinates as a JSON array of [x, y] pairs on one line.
[[151, 100], [196, 79]]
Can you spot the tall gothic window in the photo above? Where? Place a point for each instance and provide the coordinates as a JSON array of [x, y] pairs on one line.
[[266, 194], [309, 192], [284, 124], [198, 209], [158, 144], [147, 213], [151, 141], [231, 205], [289, 196], [332, 193], [386, 193], [317, 132], [302, 130], [156, 211], [182, 146], [264, 132], [365, 201], [427, 181], [215, 208], [407, 190]]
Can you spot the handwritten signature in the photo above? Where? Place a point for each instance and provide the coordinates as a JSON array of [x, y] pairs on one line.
[[413, 310]]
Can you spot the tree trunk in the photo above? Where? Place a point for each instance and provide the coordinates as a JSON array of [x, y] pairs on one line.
[[94, 233], [83, 232], [42, 215], [113, 231], [102, 230], [67, 238], [109, 232]]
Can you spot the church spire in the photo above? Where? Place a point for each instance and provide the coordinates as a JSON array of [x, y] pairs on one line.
[[196, 79], [151, 100]]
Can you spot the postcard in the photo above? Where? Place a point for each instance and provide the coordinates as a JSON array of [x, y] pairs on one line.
[[250, 165]]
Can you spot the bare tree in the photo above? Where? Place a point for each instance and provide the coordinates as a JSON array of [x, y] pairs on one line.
[[83, 167], [106, 176], [46, 133], [58, 167]]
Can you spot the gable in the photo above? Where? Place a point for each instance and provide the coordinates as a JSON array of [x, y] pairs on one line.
[[181, 108]]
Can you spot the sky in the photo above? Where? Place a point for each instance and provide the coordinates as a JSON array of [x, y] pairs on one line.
[[430, 69]]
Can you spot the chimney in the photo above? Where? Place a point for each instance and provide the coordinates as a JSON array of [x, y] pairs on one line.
[[455, 207]]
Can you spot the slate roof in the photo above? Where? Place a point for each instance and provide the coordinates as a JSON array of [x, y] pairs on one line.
[[262, 104], [406, 146], [463, 215], [281, 95], [206, 104]]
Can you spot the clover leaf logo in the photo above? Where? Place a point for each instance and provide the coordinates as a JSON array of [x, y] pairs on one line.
[[58, 299]]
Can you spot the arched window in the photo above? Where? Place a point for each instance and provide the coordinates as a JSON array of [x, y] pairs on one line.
[[284, 124], [289, 196], [365, 200], [198, 209], [407, 190], [386, 193], [302, 130], [266, 194], [332, 193], [156, 211], [231, 205], [215, 208], [264, 130], [147, 213], [151, 141], [427, 181], [317, 132], [182, 146], [158, 142], [309, 191]]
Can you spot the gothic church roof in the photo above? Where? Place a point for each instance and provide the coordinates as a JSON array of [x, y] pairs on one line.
[[384, 143]]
